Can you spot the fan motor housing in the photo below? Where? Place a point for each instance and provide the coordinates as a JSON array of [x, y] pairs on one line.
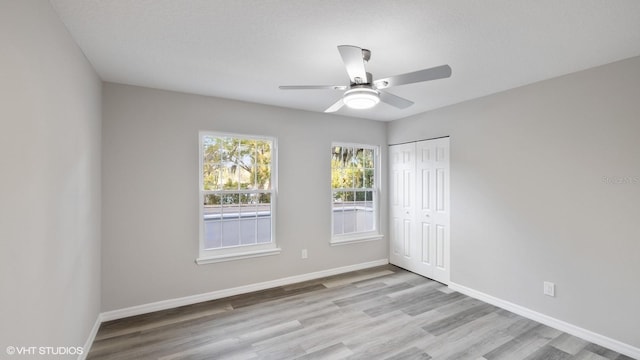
[[359, 81], [361, 97]]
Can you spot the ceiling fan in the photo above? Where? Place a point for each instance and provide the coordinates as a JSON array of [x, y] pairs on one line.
[[365, 93]]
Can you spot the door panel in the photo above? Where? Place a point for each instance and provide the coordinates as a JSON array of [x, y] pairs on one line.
[[402, 167], [425, 180], [440, 262], [426, 243], [396, 237], [441, 213], [406, 233]]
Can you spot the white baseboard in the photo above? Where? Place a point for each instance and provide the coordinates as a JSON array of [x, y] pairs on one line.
[[92, 336], [585, 334], [219, 294]]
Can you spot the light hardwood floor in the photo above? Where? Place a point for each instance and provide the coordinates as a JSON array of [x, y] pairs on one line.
[[378, 313]]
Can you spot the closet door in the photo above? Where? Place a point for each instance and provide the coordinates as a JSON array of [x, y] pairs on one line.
[[420, 208], [432, 213], [402, 166]]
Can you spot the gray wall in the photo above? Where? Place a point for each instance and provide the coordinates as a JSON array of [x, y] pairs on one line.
[[49, 181], [150, 193], [545, 186]]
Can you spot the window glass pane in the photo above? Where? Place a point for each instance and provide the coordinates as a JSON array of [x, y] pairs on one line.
[[356, 174], [368, 175], [230, 232], [212, 222], [248, 218], [369, 211], [211, 176], [338, 220], [337, 207], [245, 163], [210, 163], [369, 196], [347, 178], [247, 205], [228, 177], [230, 203], [228, 163], [211, 149], [367, 157], [351, 161], [335, 153], [245, 178], [212, 234], [230, 219], [264, 209], [211, 201], [337, 178], [263, 152], [248, 227], [264, 230], [252, 178], [228, 149], [264, 201], [246, 152], [263, 177], [363, 216], [263, 164], [348, 216]]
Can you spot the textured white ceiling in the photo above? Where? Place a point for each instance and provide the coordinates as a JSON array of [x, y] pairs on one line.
[[245, 49]]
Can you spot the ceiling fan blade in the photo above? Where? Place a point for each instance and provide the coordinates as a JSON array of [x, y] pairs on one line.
[[313, 87], [438, 72], [354, 62], [394, 100], [335, 107]]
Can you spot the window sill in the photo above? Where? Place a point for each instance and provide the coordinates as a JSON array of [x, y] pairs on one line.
[[355, 239], [237, 256]]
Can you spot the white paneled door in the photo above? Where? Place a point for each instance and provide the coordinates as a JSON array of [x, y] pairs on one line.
[[403, 197], [420, 207]]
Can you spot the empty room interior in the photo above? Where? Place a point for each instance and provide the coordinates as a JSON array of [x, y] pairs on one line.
[[320, 179]]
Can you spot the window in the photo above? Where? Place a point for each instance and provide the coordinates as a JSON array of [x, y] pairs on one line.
[[354, 193], [237, 196]]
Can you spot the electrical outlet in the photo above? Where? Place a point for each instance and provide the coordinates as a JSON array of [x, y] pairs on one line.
[[304, 253], [549, 289]]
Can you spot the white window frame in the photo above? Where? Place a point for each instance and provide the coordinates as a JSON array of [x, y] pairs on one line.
[[208, 256], [361, 236]]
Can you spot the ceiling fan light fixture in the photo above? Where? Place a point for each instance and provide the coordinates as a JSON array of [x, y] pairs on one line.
[[361, 98], [363, 92]]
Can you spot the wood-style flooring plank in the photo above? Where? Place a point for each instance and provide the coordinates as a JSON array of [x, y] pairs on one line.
[[378, 313]]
